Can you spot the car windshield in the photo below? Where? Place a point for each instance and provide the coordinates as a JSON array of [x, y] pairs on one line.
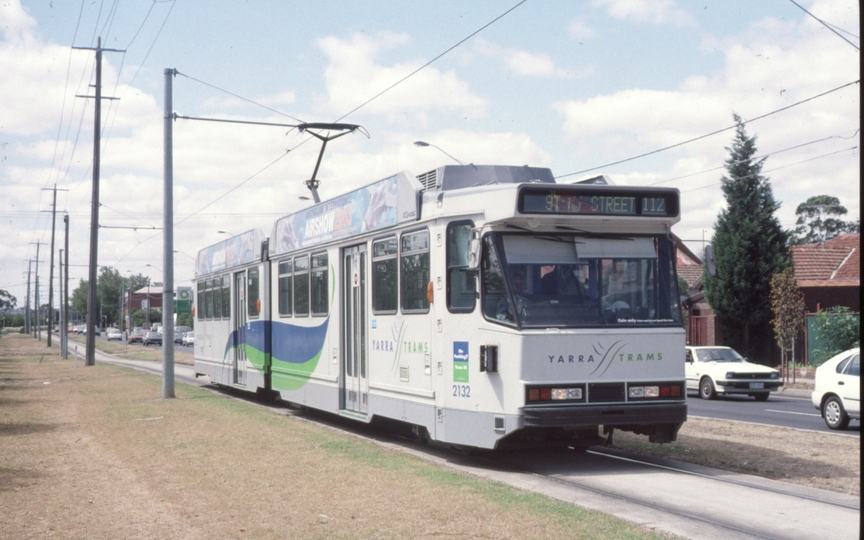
[[569, 280], [718, 355]]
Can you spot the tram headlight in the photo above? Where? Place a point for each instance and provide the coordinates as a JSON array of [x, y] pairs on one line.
[[564, 394], [644, 391], [540, 394], [653, 391]]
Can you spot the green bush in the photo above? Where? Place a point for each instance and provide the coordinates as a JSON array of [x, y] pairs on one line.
[[837, 330]]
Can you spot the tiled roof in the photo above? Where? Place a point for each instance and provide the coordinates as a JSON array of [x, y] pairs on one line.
[[835, 263], [690, 272]]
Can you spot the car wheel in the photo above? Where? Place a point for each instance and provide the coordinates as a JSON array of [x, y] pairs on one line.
[[706, 388], [834, 413], [762, 396]]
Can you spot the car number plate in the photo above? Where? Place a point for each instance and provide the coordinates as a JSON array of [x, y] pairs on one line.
[[757, 385]]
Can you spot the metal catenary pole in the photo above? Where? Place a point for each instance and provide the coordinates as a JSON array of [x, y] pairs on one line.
[[168, 247], [64, 330]]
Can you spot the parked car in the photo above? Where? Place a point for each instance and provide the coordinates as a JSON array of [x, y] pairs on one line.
[[152, 338], [188, 339], [721, 370], [114, 334], [137, 336], [179, 331], [837, 393]]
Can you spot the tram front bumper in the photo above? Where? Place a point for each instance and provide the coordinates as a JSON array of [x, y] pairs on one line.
[[611, 415]]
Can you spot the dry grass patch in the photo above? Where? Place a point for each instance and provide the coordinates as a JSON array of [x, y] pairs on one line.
[[819, 460], [94, 452]]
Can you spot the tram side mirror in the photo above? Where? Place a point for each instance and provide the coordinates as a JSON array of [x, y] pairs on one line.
[[709, 260], [474, 255]]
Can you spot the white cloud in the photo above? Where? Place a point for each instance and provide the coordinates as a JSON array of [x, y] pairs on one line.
[[354, 75], [526, 63], [580, 30], [655, 11], [770, 65]]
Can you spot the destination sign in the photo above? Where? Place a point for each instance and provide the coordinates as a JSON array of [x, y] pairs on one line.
[[596, 202]]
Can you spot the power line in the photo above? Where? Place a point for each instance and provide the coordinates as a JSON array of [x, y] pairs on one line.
[[826, 25], [379, 94], [406, 77], [239, 96], [682, 143], [756, 157], [776, 168]]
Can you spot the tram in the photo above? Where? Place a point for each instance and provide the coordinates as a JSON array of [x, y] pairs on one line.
[[485, 306]]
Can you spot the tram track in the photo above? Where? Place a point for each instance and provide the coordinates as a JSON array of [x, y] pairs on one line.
[[635, 458]]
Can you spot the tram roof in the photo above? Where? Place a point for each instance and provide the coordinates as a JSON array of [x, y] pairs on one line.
[[239, 250]]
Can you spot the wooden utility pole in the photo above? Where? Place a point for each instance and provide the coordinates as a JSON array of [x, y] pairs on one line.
[[94, 205], [51, 272], [36, 293]]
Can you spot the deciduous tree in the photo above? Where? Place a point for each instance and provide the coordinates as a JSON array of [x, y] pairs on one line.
[[787, 304]]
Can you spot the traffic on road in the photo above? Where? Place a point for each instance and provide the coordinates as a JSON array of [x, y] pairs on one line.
[[790, 408]]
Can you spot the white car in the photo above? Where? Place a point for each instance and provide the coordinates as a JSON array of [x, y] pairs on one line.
[[721, 370], [113, 334], [838, 389], [188, 339]]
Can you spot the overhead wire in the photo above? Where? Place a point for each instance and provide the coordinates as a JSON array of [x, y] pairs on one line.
[[700, 137], [826, 25], [430, 62], [355, 109], [755, 157], [760, 173]]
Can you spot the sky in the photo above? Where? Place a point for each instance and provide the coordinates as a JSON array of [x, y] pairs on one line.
[[642, 91]]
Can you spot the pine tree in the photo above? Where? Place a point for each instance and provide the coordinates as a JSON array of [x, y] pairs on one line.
[[749, 245]]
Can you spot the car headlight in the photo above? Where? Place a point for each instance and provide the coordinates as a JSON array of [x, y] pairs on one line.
[[730, 374], [775, 375]]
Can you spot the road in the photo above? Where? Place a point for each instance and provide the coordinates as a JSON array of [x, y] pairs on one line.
[[790, 408]]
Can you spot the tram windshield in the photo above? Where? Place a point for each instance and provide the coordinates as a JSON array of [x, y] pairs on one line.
[[567, 280]]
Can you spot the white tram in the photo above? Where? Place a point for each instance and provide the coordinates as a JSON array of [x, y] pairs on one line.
[[486, 306]]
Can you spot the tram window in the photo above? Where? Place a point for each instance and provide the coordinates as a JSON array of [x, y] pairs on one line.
[[460, 280], [414, 272], [319, 284], [496, 303], [208, 298], [285, 286], [252, 293], [200, 301], [217, 298], [385, 283], [226, 297], [301, 286]]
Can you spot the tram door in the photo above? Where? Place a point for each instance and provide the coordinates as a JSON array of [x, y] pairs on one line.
[[355, 367], [239, 367]]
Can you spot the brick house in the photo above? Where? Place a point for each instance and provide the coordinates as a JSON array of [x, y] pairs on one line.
[[829, 275]]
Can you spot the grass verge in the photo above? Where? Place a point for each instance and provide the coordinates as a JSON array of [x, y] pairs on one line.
[[91, 452]]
